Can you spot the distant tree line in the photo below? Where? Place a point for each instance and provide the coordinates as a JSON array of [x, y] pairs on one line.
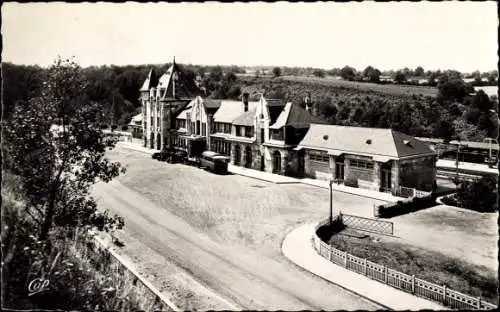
[[457, 112]]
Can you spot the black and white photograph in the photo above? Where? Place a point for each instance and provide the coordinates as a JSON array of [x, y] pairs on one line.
[[242, 156]]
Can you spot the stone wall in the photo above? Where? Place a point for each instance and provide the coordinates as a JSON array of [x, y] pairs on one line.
[[269, 159], [365, 178], [419, 173], [255, 163]]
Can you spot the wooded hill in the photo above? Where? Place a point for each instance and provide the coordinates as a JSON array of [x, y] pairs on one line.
[[453, 112]]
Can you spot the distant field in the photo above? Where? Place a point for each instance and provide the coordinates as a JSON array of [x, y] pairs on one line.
[[365, 86]]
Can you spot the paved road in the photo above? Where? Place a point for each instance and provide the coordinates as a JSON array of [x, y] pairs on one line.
[[243, 278]]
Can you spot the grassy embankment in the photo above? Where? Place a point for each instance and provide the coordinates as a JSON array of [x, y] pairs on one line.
[[78, 280]]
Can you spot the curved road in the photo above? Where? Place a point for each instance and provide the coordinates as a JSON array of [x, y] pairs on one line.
[[241, 277]]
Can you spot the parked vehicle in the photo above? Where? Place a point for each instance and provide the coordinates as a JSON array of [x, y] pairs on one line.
[[161, 156], [214, 162], [179, 156]]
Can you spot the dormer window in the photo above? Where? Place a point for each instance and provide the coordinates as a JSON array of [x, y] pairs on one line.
[[407, 143]]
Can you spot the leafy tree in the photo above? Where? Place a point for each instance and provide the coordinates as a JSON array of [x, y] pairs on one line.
[[334, 72], [480, 195], [372, 74], [348, 73], [493, 77], [277, 72], [319, 73], [452, 87], [419, 71], [467, 132], [399, 77], [56, 146]]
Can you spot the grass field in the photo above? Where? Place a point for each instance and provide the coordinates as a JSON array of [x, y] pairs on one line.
[[429, 265], [365, 86]]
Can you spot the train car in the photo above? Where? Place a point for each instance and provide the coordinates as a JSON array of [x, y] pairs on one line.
[[214, 162]]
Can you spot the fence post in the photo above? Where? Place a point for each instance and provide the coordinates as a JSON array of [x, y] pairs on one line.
[[330, 250], [364, 266], [345, 259], [444, 294], [479, 302], [413, 284], [386, 274]]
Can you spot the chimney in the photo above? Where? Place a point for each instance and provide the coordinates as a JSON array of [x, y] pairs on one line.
[[245, 101]]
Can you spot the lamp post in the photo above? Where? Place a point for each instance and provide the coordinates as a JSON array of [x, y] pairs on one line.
[[331, 202]]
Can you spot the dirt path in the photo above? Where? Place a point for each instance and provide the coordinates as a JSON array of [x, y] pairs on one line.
[[234, 276]]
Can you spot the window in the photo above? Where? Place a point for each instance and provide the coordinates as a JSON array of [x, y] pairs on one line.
[[362, 164], [320, 157], [238, 130], [203, 129], [262, 135], [249, 132]]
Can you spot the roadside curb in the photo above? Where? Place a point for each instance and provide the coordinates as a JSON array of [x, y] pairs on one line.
[[327, 280], [347, 192], [297, 247], [130, 266]]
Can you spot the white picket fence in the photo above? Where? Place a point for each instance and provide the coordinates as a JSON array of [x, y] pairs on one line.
[[394, 278]]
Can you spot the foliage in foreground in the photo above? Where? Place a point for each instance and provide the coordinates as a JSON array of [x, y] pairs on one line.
[[74, 281], [54, 151]]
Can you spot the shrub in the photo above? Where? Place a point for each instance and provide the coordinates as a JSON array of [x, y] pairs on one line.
[[404, 206], [125, 128]]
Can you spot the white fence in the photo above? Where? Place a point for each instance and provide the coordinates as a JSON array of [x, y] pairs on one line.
[[405, 282], [409, 192]]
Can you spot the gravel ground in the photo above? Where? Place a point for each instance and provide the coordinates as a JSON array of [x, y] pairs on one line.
[[173, 211]]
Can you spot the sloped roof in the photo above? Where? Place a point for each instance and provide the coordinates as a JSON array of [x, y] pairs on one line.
[[211, 106], [150, 82], [364, 141], [275, 102], [182, 114], [229, 110], [136, 118], [245, 119], [295, 116]]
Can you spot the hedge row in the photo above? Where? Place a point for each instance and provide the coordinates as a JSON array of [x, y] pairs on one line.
[[404, 206]]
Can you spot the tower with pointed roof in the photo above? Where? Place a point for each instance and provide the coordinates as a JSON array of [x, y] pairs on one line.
[[162, 98]]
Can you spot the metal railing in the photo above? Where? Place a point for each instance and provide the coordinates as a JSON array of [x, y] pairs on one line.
[[408, 283], [369, 225]]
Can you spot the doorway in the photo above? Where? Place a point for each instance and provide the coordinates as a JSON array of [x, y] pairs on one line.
[[339, 172]]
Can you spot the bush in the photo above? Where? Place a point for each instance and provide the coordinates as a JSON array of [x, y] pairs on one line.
[[124, 128], [479, 195], [404, 206]]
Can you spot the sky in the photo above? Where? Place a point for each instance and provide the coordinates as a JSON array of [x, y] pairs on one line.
[[442, 35]]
